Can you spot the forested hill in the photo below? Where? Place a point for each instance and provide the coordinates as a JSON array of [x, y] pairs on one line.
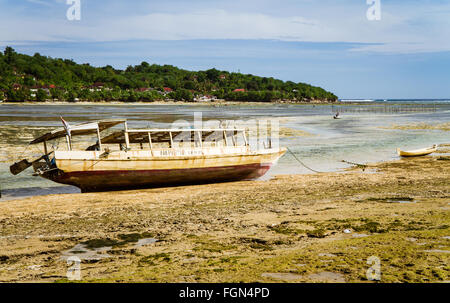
[[40, 78]]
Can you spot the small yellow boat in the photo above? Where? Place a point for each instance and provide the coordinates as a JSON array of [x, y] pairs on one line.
[[417, 152]]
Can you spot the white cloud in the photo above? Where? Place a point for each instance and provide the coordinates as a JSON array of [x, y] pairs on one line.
[[402, 29], [40, 2]]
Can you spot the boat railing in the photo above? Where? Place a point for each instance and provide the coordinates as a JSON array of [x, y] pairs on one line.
[[198, 139], [154, 138]]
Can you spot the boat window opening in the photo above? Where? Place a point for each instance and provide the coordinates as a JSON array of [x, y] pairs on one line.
[[182, 140], [78, 130], [233, 139], [215, 139], [137, 139]]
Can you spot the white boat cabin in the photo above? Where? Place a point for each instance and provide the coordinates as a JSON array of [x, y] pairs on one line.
[[160, 142]]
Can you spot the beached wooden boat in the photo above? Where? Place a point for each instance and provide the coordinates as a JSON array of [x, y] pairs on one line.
[[141, 158], [417, 152]]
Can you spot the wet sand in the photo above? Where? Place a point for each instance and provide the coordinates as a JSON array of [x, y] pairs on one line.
[[292, 228]]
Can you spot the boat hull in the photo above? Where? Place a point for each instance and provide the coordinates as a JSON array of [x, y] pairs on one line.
[[416, 153], [118, 175], [92, 181]]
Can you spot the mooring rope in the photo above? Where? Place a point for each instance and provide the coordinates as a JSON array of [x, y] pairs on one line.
[[298, 160], [362, 166], [23, 151]]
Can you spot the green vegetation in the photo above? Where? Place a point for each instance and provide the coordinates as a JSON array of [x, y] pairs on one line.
[[40, 78], [212, 246], [152, 259], [317, 233]]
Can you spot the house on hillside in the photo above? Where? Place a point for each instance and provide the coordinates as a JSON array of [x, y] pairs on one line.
[[239, 90], [34, 89], [96, 87], [205, 98], [166, 90]]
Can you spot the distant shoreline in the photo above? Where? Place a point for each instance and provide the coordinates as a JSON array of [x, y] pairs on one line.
[[212, 103], [225, 103]]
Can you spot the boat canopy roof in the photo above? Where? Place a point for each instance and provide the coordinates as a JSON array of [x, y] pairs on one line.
[[163, 135], [78, 130]]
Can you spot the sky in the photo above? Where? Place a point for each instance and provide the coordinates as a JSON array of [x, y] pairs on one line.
[[355, 48]]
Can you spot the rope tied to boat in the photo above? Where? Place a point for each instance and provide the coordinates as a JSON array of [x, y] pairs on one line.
[[359, 165], [25, 148], [303, 164]]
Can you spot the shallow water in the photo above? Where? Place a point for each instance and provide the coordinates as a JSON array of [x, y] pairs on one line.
[[145, 241], [358, 136]]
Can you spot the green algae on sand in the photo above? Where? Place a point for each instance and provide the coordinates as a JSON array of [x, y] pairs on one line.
[[297, 228]]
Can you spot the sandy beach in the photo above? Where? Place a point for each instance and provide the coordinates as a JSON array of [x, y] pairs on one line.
[[292, 228]]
